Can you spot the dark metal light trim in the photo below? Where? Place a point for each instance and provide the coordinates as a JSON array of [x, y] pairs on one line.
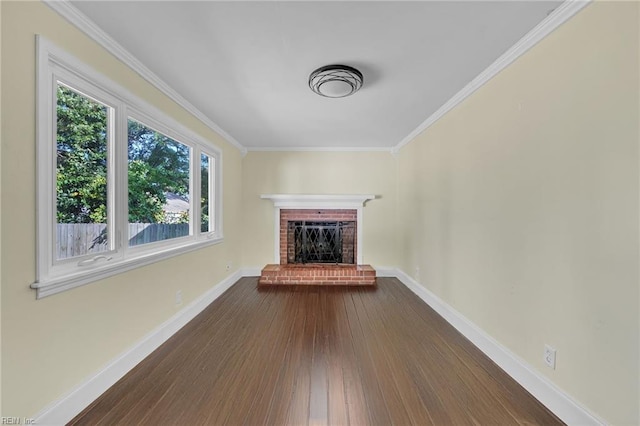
[[332, 73]]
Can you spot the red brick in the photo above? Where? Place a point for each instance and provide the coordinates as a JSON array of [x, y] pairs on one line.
[[318, 274]]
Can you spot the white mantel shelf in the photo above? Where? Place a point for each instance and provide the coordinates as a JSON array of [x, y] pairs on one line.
[[318, 201], [313, 201]]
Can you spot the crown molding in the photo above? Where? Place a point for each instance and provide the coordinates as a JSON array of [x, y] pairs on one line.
[[317, 149], [69, 12], [555, 19]]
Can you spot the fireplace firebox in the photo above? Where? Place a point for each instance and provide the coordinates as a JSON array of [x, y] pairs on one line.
[[321, 242]]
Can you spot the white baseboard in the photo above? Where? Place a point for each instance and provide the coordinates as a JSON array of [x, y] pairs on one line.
[[383, 272], [556, 400], [66, 408], [251, 272]]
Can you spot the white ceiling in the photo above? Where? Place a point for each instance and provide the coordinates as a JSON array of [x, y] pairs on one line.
[[245, 65]]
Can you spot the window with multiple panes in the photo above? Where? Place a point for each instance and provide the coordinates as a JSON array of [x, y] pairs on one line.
[[82, 170], [159, 185], [120, 184], [207, 193]]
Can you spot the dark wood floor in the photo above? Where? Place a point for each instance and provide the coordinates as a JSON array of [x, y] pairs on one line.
[[317, 355]]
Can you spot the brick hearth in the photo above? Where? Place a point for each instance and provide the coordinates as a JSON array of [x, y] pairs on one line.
[[318, 274]]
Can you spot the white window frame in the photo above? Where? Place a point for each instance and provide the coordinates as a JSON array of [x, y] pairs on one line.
[[213, 200], [53, 276]]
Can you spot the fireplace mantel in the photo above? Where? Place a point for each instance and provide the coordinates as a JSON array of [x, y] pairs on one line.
[[318, 201]]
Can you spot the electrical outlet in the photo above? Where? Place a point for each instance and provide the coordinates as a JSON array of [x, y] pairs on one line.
[[178, 297], [417, 274], [550, 356]]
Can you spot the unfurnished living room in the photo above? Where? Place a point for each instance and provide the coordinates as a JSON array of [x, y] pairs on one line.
[[320, 212]]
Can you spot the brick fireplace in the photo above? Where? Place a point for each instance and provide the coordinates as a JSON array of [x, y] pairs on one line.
[[318, 241]]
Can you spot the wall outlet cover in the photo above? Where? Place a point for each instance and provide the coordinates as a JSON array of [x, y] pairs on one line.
[[549, 356]]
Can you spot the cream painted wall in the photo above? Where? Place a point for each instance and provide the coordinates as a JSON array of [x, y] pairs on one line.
[[51, 345], [319, 173], [520, 208]]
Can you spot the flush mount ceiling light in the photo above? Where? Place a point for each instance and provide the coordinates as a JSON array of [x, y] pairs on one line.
[[335, 81]]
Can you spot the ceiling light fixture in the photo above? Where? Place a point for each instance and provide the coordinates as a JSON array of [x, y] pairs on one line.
[[335, 81]]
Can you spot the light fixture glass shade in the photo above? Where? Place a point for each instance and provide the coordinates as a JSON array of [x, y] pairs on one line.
[[335, 81]]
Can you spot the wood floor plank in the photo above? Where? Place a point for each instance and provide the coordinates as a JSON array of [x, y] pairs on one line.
[[316, 355], [379, 348], [455, 375], [293, 362], [355, 400], [330, 301], [502, 386], [285, 353], [318, 396], [216, 356], [238, 378], [156, 373], [296, 381], [386, 323], [376, 405]]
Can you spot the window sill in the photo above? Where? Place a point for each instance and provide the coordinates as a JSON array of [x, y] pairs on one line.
[[59, 284]]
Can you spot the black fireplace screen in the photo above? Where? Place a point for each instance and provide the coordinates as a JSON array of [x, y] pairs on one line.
[[321, 242]]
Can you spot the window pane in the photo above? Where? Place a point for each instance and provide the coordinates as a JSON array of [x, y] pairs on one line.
[[204, 192], [81, 175], [158, 186]]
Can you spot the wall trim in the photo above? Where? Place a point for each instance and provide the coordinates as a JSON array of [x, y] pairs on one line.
[[386, 272], [251, 272], [70, 405], [555, 19], [69, 12], [555, 399]]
